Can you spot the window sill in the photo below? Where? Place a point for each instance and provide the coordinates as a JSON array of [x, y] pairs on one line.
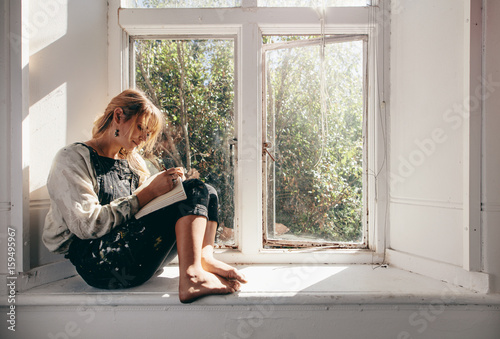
[[321, 285], [314, 255]]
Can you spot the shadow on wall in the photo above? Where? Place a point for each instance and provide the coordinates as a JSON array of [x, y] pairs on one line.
[[68, 89]]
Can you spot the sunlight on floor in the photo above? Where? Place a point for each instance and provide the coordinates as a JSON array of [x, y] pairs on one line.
[[275, 278], [171, 272], [286, 278]]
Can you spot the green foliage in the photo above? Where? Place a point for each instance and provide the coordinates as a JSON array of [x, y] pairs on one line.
[[192, 82]]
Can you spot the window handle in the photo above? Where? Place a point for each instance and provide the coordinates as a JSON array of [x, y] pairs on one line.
[[232, 144], [265, 148]]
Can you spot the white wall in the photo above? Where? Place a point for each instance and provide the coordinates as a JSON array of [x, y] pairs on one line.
[[429, 88], [4, 132], [68, 89], [491, 142], [427, 80]]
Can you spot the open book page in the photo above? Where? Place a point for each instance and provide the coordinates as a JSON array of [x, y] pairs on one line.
[[167, 199]]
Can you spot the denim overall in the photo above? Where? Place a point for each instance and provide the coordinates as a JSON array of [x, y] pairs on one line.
[[131, 253]]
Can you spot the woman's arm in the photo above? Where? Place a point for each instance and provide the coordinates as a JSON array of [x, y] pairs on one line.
[[76, 207], [71, 189], [161, 184]]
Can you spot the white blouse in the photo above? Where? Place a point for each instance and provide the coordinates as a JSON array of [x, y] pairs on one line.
[[74, 205]]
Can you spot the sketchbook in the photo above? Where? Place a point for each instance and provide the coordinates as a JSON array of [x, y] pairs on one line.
[[176, 194]]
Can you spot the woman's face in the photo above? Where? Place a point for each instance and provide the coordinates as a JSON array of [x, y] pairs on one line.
[[133, 133]]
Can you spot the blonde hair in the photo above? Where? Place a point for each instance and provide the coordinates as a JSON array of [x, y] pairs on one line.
[[134, 105]]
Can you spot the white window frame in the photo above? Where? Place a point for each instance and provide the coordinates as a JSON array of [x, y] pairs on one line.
[[247, 25]]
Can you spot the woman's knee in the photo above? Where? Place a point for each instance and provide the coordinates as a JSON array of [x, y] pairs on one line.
[[202, 194], [198, 187], [195, 186]]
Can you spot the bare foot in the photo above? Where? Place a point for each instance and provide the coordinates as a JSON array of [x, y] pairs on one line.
[[197, 283], [218, 267]]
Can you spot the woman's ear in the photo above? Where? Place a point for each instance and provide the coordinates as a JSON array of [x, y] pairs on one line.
[[118, 115]]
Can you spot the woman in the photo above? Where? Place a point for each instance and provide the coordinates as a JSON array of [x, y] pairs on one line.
[[94, 196]]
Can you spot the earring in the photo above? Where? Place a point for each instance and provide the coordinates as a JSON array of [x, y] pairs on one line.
[[117, 132]]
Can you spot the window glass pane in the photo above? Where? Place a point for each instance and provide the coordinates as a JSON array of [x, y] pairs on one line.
[[192, 82], [313, 3], [315, 183], [181, 3]]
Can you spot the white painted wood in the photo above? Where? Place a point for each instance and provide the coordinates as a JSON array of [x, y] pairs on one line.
[[313, 256], [491, 139], [259, 320], [491, 250], [490, 207], [427, 129], [426, 231], [377, 182], [39, 255], [298, 284], [19, 130], [427, 202], [305, 20], [473, 94], [249, 168], [116, 52], [440, 220], [491, 90], [4, 130], [456, 275], [45, 274]]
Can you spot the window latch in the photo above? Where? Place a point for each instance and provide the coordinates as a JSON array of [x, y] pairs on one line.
[[232, 145], [265, 148]]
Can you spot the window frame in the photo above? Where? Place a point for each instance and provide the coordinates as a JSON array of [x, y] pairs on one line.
[[248, 24]]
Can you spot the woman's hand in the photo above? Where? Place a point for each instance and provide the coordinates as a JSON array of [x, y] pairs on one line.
[[162, 183], [175, 173], [165, 181]]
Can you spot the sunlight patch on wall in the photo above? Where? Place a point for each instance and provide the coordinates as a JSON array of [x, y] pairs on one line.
[[47, 134], [48, 22]]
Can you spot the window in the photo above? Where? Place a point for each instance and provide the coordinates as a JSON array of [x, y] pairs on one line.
[[192, 82], [220, 74], [314, 131]]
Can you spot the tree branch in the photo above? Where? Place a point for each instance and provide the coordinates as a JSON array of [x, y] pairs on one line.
[[145, 75], [184, 117]]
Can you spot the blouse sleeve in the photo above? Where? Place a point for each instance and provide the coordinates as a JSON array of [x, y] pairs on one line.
[[71, 189]]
